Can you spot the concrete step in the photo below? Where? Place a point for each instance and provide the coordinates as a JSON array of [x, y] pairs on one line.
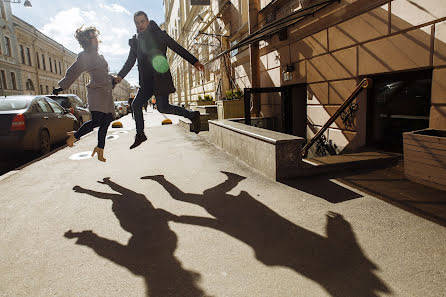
[[346, 162], [187, 124]]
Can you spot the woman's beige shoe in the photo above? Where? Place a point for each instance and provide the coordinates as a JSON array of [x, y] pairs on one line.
[[71, 139], [100, 154]]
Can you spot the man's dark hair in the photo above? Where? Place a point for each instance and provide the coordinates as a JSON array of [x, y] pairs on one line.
[[138, 13]]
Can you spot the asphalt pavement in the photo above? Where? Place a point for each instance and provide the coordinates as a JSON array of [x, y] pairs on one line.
[[177, 216]]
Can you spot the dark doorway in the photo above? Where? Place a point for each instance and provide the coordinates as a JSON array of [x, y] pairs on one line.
[[397, 103], [293, 119], [295, 111]]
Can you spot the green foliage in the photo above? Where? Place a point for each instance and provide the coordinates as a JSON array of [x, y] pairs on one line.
[[234, 94], [206, 98]]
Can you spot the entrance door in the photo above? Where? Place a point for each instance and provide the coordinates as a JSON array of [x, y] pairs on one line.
[[397, 103], [295, 111]]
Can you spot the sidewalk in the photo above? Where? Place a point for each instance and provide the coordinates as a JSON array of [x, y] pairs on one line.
[[179, 217]]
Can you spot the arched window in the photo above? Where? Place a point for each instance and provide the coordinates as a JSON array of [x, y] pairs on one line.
[[29, 85]]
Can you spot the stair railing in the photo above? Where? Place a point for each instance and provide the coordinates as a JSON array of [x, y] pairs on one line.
[[365, 83]]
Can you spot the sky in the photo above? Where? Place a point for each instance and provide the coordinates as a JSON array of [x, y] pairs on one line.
[[114, 19]]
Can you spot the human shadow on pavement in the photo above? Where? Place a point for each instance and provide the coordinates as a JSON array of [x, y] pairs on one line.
[[150, 251], [336, 261]]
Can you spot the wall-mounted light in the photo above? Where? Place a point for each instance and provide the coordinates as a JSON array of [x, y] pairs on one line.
[[288, 72]]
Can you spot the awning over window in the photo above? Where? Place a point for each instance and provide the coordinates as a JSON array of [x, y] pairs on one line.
[[278, 25]]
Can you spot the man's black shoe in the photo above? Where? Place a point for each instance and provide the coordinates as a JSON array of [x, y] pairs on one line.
[[196, 123], [139, 138]]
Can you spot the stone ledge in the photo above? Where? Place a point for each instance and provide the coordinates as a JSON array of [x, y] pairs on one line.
[[255, 132], [274, 154]]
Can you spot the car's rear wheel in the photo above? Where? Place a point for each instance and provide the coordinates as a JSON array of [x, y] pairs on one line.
[[44, 142]]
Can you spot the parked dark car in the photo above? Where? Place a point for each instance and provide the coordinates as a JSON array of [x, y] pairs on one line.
[[74, 104], [33, 123]]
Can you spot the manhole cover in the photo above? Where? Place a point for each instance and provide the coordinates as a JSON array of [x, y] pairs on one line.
[[112, 137], [120, 132], [81, 156]]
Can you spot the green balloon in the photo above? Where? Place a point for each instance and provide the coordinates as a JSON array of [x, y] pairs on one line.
[[160, 64]]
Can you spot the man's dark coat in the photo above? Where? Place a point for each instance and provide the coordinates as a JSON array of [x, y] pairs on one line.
[[150, 47]]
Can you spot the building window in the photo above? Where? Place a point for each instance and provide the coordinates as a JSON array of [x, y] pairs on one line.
[[51, 64], [37, 59], [43, 61], [5, 85], [3, 10], [14, 83], [55, 66], [28, 54], [46, 88], [41, 90], [60, 69], [29, 85], [7, 46], [22, 54]]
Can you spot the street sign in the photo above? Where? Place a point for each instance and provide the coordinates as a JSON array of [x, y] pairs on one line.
[[200, 2]]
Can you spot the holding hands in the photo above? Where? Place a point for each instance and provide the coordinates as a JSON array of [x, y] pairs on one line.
[[199, 66], [56, 91]]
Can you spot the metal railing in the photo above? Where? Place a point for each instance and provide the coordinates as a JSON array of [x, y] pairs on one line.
[[365, 83]]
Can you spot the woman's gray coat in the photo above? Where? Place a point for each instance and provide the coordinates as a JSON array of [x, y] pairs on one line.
[[99, 90]]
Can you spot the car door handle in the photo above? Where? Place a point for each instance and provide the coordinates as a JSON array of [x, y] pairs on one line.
[[46, 118]]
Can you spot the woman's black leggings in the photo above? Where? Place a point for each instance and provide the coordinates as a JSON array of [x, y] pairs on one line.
[[98, 119]]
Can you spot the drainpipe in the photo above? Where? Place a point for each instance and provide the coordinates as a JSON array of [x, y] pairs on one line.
[[253, 12]]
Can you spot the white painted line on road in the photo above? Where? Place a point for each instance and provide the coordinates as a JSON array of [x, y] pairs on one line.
[[8, 174], [81, 156]]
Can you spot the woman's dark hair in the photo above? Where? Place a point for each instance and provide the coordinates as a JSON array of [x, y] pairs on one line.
[[84, 37], [138, 13]]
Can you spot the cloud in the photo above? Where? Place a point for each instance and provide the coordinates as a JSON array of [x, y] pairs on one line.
[[115, 8], [115, 31]]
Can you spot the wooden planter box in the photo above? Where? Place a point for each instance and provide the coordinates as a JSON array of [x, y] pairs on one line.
[[229, 109], [425, 157], [201, 103]]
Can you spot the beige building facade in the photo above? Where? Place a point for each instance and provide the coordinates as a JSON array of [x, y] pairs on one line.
[[32, 63], [43, 62], [329, 47]]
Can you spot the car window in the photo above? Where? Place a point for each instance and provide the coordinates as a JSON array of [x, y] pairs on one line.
[[13, 104], [35, 108], [77, 101], [64, 102], [56, 107], [44, 106]]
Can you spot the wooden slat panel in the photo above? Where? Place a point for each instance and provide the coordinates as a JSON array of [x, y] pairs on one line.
[[438, 146], [425, 138], [424, 149], [425, 158]]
